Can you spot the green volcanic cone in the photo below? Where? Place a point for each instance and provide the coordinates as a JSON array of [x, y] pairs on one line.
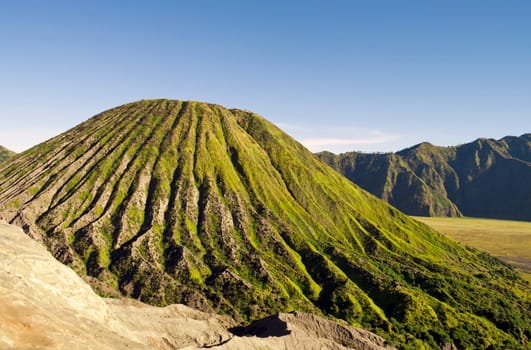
[[171, 201]]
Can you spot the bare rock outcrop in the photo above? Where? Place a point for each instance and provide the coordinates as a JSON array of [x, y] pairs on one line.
[[45, 305], [300, 330]]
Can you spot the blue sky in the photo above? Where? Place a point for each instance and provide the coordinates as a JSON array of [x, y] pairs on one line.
[[337, 75]]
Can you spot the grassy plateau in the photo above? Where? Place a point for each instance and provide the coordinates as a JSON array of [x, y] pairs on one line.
[[505, 239]]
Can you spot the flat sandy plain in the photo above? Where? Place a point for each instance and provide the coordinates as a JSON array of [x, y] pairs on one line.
[[505, 239]]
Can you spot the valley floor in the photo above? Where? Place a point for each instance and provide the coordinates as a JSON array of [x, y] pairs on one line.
[[505, 239]]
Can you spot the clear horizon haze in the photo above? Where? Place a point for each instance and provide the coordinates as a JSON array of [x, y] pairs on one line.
[[372, 76]]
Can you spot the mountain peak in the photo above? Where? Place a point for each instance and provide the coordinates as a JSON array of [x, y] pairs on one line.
[[420, 147]]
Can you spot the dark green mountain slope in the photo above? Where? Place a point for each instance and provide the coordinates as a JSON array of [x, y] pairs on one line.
[[171, 201], [485, 178], [5, 154]]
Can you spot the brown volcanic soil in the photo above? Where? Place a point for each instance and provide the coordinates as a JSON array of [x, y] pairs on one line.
[[45, 305]]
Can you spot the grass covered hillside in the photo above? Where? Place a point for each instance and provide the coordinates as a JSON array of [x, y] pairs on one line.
[[485, 178], [5, 154], [177, 201]]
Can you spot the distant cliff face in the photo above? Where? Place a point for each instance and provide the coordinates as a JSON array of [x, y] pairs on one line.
[[5, 154], [485, 178]]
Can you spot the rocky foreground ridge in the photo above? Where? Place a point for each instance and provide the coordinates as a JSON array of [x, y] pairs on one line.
[[45, 305]]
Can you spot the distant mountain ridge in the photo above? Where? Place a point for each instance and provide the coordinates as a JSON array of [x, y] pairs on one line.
[[484, 178], [5, 154], [187, 202]]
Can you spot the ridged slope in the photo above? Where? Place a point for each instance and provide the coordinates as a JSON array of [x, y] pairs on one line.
[[485, 178], [45, 305], [5, 154], [171, 201]]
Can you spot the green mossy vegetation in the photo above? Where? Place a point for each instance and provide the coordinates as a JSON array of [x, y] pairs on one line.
[[171, 201]]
